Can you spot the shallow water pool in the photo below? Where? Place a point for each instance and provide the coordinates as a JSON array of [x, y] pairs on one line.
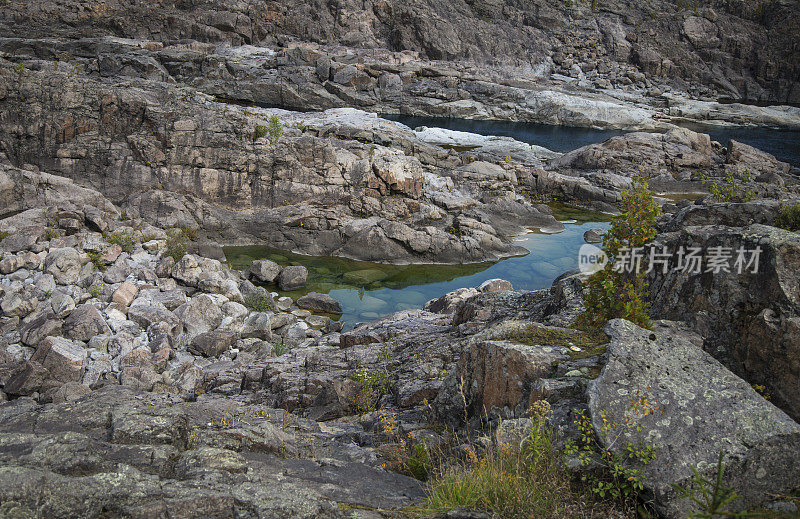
[[371, 290]]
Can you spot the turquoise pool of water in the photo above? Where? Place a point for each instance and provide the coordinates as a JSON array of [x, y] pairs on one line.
[[370, 290]]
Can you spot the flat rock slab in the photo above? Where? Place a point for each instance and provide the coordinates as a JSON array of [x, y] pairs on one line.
[[706, 409], [121, 452]]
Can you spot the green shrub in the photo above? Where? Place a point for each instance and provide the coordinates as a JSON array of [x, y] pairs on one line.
[[730, 189], [95, 291], [613, 294], [274, 129], [711, 497], [125, 239], [282, 348], [613, 477], [259, 303], [51, 234], [259, 132], [176, 247], [4, 235], [372, 384], [789, 218], [94, 259]]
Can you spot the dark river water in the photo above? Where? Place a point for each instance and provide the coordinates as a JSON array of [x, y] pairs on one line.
[[784, 144]]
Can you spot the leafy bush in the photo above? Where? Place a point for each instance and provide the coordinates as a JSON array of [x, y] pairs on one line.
[[259, 302], [730, 189], [259, 132], [615, 478], [4, 235], [274, 129], [611, 293], [372, 384], [403, 454], [95, 291], [94, 259], [176, 247], [789, 218], [282, 348], [51, 234], [124, 239]]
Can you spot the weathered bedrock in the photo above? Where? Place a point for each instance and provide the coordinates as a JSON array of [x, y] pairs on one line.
[[177, 158], [453, 58]]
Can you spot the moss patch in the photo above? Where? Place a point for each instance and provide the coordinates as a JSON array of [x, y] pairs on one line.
[[591, 342]]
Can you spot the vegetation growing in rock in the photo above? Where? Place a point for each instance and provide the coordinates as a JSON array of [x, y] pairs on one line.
[[125, 239], [403, 454], [617, 293], [259, 132], [3, 235], [789, 218], [176, 246], [712, 498], [258, 302], [525, 481], [730, 189], [274, 129], [94, 259], [538, 334], [614, 477], [372, 384]]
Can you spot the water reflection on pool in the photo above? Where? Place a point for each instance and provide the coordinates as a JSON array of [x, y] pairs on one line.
[[370, 290]]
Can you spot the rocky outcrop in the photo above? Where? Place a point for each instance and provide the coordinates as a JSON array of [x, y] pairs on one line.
[[344, 192], [748, 319], [355, 53], [127, 453], [688, 407], [78, 309]]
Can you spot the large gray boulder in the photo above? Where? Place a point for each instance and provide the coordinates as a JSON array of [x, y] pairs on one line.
[[265, 270], [64, 359], [317, 302], [84, 323], [702, 409], [199, 315], [749, 320], [64, 264], [292, 277]]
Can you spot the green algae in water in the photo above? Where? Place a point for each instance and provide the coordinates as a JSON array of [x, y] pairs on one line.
[[327, 273], [566, 212]]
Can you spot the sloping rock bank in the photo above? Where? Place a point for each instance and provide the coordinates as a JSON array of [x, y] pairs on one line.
[[131, 454], [749, 320]]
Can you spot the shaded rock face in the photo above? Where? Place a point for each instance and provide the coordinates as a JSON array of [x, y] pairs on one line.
[[750, 321], [702, 408], [731, 50]]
